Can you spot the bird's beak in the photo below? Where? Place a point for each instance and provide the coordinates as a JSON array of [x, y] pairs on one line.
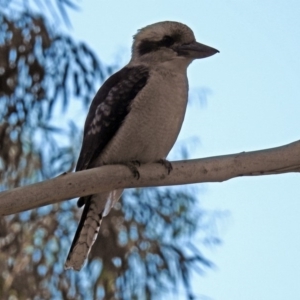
[[196, 50]]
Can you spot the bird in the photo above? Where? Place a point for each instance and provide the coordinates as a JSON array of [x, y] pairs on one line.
[[135, 117]]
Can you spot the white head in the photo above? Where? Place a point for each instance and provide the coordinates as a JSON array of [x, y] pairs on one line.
[[165, 41]]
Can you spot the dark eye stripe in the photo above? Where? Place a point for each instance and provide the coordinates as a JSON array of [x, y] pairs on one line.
[[147, 46], [167, 41]]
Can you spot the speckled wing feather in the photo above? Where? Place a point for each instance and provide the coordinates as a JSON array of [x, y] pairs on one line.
[[108, 110]]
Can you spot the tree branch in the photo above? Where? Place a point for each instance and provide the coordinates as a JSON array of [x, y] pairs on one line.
[[212, 169]]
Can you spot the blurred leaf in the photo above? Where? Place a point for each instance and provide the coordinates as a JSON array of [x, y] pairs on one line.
[[145, 248]]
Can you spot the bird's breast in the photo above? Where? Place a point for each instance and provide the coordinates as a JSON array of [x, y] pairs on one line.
[[152, 125]]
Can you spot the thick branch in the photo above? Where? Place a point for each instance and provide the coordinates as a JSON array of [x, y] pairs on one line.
[[212, 169]]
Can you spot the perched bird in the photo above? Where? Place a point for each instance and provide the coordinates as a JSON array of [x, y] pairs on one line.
[[135, 116]]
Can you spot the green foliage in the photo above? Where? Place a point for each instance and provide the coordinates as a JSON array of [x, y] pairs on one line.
[[144, 249], [38, 70]]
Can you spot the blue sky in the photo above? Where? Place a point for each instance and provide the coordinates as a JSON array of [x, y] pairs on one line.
[[254, 104]]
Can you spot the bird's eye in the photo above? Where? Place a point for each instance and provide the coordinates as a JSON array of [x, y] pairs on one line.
[[167, 41]]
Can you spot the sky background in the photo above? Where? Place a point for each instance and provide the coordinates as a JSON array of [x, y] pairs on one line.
[[254, 104]]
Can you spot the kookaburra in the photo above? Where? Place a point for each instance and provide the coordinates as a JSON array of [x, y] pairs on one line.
[[135, 116]]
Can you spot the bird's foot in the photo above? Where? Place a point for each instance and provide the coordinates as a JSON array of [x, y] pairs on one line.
[[132, 167], [136, 163], [166, 164]]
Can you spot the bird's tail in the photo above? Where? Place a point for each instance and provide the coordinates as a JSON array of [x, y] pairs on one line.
[[96, 207], [85, 235]]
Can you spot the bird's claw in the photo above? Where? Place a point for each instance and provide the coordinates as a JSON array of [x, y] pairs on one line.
[[132, 167], [136, 163], [166, 164]]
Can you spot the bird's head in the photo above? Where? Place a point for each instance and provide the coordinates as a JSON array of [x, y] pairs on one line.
[[166, 41]]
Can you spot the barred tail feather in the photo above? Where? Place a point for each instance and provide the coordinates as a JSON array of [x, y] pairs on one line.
[[96, 207], [85, 235]]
